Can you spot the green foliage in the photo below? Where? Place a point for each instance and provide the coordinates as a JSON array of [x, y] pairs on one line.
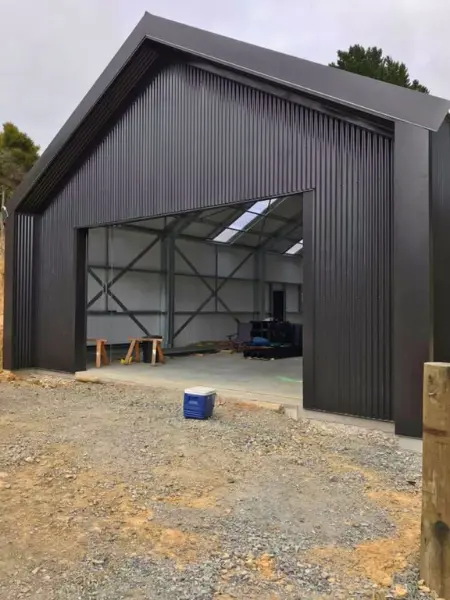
[[18, 153], [370, 62]]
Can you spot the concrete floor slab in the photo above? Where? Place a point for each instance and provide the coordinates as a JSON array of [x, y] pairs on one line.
[[411, 444], [229, 374]]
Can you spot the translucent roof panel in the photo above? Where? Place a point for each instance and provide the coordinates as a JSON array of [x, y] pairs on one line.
[[295, 249], [225, 236], [244, 221]]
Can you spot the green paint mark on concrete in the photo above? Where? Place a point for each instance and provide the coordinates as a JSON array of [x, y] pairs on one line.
[[288, 379]]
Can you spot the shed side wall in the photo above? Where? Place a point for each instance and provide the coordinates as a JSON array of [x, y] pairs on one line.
[[440, 215], [193, 140], [24, 269], [19, 294], [411, 273]]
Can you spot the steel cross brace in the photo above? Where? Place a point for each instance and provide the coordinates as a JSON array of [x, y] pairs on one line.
[[214, 293], [121, 304], [178, 226], [203, 280], [106, 287]]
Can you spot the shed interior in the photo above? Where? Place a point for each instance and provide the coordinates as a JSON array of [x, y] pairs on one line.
[[209, 283]]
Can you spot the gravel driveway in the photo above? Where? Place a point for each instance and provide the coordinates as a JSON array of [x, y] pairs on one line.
[[108, 493]]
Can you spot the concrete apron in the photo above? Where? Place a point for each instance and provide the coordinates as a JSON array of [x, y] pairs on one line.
[[292, 406], [156, 380]]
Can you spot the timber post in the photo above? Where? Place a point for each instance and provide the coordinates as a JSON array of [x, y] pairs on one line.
[[435, 537]]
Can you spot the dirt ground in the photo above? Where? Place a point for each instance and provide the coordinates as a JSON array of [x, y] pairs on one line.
[[106, 492]]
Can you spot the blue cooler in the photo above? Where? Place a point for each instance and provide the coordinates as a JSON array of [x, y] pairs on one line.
[[198, 402]]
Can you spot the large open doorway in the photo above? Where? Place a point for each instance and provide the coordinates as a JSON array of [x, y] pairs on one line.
[[223, 288]]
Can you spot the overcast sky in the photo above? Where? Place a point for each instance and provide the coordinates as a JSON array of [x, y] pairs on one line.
[[52, 51]]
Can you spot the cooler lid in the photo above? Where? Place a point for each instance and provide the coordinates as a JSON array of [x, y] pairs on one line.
[[200, 391]]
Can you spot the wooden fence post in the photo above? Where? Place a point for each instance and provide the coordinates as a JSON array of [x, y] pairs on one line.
[[435, 540]]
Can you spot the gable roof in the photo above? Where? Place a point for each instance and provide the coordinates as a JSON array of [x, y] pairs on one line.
[[363, 94], [347, 89]]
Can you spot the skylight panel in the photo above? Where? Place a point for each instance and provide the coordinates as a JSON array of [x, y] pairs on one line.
[[225, 235], [243, 222], [295, 249]]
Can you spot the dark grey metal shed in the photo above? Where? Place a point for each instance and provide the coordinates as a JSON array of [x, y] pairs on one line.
[[184, 120]]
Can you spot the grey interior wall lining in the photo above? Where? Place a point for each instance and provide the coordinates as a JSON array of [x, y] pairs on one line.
[[142, 289]]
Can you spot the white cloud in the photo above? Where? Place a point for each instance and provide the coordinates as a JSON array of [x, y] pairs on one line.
[[53, 50]]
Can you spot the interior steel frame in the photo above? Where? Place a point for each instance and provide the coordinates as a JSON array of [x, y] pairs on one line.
[[285, 232]]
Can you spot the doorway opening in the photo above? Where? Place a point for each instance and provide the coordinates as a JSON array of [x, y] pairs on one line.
[[210, 284], [278, 305]]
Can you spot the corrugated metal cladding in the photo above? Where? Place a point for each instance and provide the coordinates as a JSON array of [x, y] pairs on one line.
[[192, 140], [440, 219], [23, 282], [351, 270]]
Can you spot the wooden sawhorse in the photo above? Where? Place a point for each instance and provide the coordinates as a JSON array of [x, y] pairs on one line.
[[134, 349], [101, 357]]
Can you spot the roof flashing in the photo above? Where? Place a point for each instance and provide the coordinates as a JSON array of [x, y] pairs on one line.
[[340, 87]]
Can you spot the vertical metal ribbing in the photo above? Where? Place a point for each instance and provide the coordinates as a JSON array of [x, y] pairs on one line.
[[352, 270], [193, 140], [23, 291]]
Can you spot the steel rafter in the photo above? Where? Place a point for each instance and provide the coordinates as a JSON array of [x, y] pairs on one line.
[[280, 234]]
